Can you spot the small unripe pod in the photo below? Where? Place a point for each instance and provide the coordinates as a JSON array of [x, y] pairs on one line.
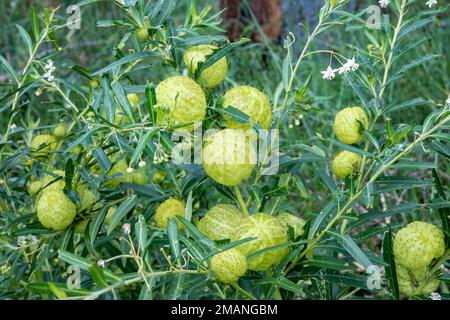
[[142, 32], [110, 214], [120, 174], [289, 220], [55, 210], [42, 143], [139, 177], [345, 163], [416, 245], [269, 232], [168, 210], [220, 222], [229, 156], [60, 130], [180, 100], [347, 124], [250, 101], [133, 99], [229, 266], [212, 76], [159, 177]]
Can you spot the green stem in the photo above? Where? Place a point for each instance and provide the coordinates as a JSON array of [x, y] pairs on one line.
[[242, 204], [245, 293]]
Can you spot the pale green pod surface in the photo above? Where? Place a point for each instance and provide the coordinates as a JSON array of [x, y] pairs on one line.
[[167, 210], [229, 157], [88, 199], [41, 144], [269, 232], [347, 124], [417, 244], [289, 220], [180, 100], [250, 101], [220, 222], [345, 164], [55, 210], [212, 76], [120, 174], [410, 281], [229, 266]]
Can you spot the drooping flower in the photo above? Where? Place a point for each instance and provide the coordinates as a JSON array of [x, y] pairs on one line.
[[384, 3], [431, 3], [329, 74]]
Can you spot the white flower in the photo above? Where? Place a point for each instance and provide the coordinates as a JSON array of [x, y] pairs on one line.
[[101, 263], [349, 66], [13, 127], [130, 170], [126, 228], [352, 64], [22, 241], [448, 100], [142, 164], [50, 66], [328, 74], [431, 3], [384, 3], [435, 296]]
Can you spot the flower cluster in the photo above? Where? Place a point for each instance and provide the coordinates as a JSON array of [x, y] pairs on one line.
[[347, 67], [385, 3], [49, 68], [25, 241], [160, 155]]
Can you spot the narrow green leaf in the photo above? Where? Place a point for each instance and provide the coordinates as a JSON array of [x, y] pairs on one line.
[[174, 241], [125, 207]]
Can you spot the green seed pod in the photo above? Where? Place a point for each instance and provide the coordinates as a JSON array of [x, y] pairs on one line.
[[55, 210], [141, 33], [34, 187], [133, 99], [94, 83], [120, 174], [110, 214], [252, 102], [229, 156], [345, 163], [139, 177], [417, 244], [347, 124], [269, 233], [55, 181], [229, 266], [289, 220], [180, 100], [212, 76], [41, 144], [88, 199], [60, 130], [220, 222], [168, 210], [159, 177], [410, 281]]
